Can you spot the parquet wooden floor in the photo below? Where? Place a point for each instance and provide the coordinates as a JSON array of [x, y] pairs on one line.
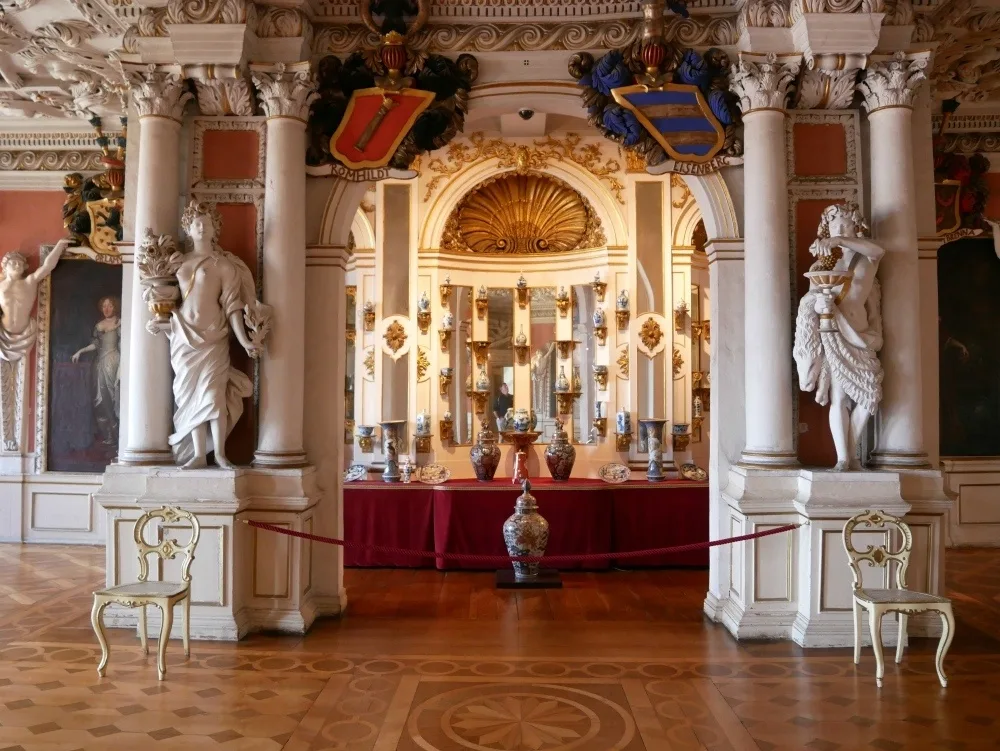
[[621, 661]]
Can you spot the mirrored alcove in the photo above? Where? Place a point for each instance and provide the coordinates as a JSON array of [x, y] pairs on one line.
[[500, 315], [651, 373], [584, 352], [463, 372], [544, 362], [395, 301]]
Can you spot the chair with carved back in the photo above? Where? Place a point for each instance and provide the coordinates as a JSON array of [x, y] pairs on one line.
[[164, 595], [899, 600]]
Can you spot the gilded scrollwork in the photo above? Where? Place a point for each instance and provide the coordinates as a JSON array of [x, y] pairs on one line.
[[650, 334], [479, 148], [395, 336]]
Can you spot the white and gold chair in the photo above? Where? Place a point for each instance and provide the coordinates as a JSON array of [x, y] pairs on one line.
[[162, 594], [899, 600]]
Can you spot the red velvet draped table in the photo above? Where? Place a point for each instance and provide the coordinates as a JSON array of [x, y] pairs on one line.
[[585, 516]]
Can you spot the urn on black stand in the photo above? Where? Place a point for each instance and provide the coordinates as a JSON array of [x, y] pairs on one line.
[[526, 534]]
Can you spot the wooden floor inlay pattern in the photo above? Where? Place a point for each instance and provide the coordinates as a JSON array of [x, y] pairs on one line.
[[425, 661]]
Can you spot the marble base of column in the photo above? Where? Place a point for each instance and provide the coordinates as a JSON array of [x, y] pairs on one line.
[[280, 459], [899, 460], [146, 458], [769, 459]]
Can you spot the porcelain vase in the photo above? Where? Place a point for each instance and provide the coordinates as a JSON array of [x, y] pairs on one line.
[[560, 455], [485, 454], [526, 533]]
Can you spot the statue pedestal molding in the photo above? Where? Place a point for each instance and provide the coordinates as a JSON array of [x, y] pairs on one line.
[[243, 579], [798, 585]]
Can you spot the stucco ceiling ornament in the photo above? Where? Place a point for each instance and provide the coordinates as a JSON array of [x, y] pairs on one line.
[[762, 14], [764, 83], [967, 57], [829, 81], [537, 156], [644, 96], [893, 83], [522, 213]]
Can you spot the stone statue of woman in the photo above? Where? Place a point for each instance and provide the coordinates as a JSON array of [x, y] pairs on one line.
[[838, 331], [216, 287]]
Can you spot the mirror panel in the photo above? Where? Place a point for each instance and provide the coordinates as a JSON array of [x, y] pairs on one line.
[[500, 317], [544, 360], [460, 359], [395, 393], [649, 248], [584, 305], [395, 291], [350, 354]]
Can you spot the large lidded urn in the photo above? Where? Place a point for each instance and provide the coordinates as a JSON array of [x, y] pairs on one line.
[[526, 533], [560, 455], [485, 455]]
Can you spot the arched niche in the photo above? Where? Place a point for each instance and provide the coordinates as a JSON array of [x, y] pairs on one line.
[[603, 202], [361, 229], [340, 213]]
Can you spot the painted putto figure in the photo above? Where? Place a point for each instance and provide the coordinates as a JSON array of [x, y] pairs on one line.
[[838, 330], [216, 290]]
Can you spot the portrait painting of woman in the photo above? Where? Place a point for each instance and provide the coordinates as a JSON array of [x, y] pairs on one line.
[[85, 337]]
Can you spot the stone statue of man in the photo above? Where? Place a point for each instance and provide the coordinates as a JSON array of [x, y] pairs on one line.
[[838, 330], [18, 290]]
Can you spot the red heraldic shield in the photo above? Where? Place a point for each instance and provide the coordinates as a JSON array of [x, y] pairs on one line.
[[375, 123]]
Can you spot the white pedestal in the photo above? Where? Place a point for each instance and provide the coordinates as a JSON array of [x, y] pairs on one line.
[[243, 579], [798, 585]]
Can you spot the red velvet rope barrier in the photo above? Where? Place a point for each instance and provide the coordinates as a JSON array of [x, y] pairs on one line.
[[504, 559]]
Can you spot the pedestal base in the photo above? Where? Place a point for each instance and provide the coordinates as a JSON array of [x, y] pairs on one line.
[[548, 578], [797, 585], [243, 579]]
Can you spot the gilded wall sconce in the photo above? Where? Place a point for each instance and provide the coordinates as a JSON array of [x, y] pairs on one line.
[[445, 290], [481, 351], [599, 287], [706, 329], [352, 335], [445, 336], [521, 347], [680, 316], [565, 348], [622, 310], [522, 292], [563, 302], [348, 432], [422, 443], [423, 313], [445, 380], [681, 442], [447, 428], [622, 442], [482, 303], [366, 438], [479, 399], [369, 315], [601, 376]]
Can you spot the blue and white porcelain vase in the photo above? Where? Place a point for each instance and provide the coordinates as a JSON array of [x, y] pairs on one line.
[[623, 422], [560, 455], [522, 420], [526, 533]]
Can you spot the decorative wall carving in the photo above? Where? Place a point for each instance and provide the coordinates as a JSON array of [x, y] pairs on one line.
[[800, 7], [198, 181], [61, 161], [956, 143], [286, 91], [652, 339], [622, 361], [530, 37], [822, 88], [278, 22], [570, 148], [225, 96], [520, 213]]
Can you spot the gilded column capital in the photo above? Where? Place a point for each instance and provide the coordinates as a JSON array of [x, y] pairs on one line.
[[893, 82], [285, 90], [763, 82], [158, 92]]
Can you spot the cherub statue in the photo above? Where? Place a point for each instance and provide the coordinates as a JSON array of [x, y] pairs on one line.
[[838, 330], [217, 295], [18, 291]]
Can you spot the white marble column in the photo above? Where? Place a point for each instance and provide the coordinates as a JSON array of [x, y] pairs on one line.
[[159, 98], [285, 94], [888, 89], [763, 84]]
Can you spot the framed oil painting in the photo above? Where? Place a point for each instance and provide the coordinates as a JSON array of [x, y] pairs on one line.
[[969, 347], [83, 348]]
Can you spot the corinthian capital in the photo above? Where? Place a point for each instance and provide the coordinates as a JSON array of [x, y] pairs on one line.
[[158, 92], [893, 82], [764, 82], [285, 90]]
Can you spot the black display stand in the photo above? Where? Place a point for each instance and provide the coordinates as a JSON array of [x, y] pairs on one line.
[[548, 578]]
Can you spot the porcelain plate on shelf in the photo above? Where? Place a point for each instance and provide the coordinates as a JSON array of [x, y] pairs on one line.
[[614, 473], [355, 473], [434, 474], [693, 472]]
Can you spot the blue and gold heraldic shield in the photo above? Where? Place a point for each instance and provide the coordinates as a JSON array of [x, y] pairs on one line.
[[677, 116]]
